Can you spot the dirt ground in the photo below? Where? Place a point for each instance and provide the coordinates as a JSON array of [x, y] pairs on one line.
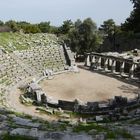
[[87, 86]]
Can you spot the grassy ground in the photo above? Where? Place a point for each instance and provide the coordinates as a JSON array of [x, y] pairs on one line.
[[17, 41], [98, 128], [8, 137], [8, 41]]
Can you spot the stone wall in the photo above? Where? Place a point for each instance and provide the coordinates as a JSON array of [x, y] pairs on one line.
[[96, 108], [69, 56], [66, 105]]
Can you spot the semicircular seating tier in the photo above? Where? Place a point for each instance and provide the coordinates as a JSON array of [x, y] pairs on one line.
[[32, 62]]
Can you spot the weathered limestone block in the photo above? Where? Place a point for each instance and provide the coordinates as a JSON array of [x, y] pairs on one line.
[[87, 63], [113, 68]]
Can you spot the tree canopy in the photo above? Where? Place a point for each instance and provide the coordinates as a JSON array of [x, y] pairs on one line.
[[133, 22], [84, 36], [44, 27]]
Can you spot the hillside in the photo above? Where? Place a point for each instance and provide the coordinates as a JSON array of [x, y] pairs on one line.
[[27, 56], [16, 41]]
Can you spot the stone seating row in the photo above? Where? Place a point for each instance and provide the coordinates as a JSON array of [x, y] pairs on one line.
[[14, 67]]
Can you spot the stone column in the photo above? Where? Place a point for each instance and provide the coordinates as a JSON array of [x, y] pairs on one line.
[[99, 63], [93, 59], [105, 64], [88, 61], [113, 67], [110, 61], [122, 68], [131, 71], [93, 62], [38, 96], [135, 66]]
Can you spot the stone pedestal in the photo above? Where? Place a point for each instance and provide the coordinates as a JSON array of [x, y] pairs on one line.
[[99, 63], [93, 59], [131, 71], [122, 68], [38, 96], [88, 63], [110, 61], [113, 67], [105, 64], [93, 62]]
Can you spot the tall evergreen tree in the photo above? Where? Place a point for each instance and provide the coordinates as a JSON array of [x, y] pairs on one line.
[[84, 37], [133, 22]]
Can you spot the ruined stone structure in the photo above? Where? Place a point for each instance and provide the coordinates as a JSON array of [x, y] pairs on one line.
[[41, 56], [20, 65], [49, 60], [69, 55], [122, 66], [106, 107], [116, 65]]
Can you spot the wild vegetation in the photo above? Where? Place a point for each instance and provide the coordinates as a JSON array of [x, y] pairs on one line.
[[85, 36]]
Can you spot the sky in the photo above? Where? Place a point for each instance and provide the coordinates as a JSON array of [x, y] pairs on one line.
[[56, 11]]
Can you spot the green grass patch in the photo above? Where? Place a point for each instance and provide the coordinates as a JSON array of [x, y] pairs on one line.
[[88, 127], [124, 134], [8, 137], [137, 121], [9, 41], [110, 134]]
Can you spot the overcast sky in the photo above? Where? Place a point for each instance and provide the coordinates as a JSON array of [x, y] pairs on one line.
[[57, 11]]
